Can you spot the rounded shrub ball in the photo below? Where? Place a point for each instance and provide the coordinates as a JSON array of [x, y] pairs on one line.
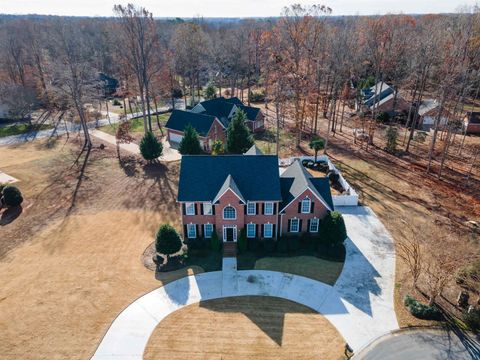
[[12, 196]]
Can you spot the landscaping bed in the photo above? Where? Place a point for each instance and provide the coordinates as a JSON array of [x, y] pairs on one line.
[[19, 129]]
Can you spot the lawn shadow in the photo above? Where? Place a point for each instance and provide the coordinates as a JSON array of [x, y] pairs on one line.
[[10, 214], [127, 163]]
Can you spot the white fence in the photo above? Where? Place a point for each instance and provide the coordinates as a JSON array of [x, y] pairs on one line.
[[348, 198]]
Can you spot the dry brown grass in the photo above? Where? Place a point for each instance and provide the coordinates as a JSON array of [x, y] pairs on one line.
[[67, 271], [245, 328]]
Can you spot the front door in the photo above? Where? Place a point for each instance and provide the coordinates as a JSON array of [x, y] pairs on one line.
[[229, 234]]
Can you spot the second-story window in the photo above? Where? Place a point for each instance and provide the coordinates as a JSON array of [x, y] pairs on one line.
[[306, 205], [229, 213], [190, 208], [268, 209], [207, 209], [251, 208]]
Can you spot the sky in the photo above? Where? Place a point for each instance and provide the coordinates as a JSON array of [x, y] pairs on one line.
[[228, 8]]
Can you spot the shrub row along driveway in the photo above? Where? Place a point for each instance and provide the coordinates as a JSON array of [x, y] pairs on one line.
[[359, 305]]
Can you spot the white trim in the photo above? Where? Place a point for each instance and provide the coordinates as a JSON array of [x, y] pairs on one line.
[[309, 205], [271, 227], [223, 212], [254, 207], [229, 188], [265, 207], [254, 230], [204, 232], [194, 229], [313, 192], [187, 204], [211, 208], [318, 225], [224, 232], [298, 225]]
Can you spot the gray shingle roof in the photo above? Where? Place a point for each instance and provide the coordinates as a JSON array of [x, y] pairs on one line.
[[229, 184], [254, 150], [179, 119], [202, 177], [474, 118], [296, 179], [250, 111], [222, 108]]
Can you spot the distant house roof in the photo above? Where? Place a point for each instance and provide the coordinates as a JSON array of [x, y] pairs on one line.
[[203, 176], [223, 109], [296, 179], [250, 111], [233, 100], [377, 93], [474, 118], [179, 119], [254, 150], [426, 106]]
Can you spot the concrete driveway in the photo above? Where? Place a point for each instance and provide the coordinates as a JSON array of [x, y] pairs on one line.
[[359, 305]]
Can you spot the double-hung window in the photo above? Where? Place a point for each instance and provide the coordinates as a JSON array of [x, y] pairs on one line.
[[190, 208], [306, 203], [314, 225], [251, 208], [251, 230], [207, 209], [294, 225], [268, 208], [229, 213], [207, 230], [191, 231], [267, 230]]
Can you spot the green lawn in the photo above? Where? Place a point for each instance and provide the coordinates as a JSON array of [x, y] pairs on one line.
[[302, 263], [18, 129], [137, 125]]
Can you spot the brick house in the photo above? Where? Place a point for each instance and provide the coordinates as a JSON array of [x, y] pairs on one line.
[[471, 123], [225, 194], [202, 117], [383, 98]]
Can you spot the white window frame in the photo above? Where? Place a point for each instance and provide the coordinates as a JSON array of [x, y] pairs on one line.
[[189, 205], [265, 230], [304, 202], [235, 213], [265, 208], [189, 226], [205, 230], [206, 206], [297, 221], [254, 230], [250, 203], [317, 222]]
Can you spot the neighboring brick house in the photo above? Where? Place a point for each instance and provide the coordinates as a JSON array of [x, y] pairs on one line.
[[383, 98], [471, 123], [228, 193], [200, 117], [208, 127]]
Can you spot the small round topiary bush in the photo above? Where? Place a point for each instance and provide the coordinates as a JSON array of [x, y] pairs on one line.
[[215, 242], [168, 241], [11, 196]]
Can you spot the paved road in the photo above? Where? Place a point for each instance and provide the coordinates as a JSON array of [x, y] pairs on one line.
[[359, 305], [71, 127], [422, 344]]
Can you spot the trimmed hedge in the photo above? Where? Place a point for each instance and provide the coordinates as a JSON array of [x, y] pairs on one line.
[[242, 241], [215, 242], [422, 311]]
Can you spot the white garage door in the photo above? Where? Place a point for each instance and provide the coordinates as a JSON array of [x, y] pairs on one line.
[[175, 137]]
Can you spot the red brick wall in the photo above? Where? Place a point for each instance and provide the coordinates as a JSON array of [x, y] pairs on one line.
[[319, 211], [229, 198], [473, 128], [216, 132]]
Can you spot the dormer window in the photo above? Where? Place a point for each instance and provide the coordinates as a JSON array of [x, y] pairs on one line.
[[306, 204], [229, 213]]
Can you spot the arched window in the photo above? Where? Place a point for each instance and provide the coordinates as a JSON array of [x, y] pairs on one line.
[[229, 213]]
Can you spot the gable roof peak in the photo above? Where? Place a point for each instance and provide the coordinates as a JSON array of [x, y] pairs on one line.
[[254, 150], [229, 184]]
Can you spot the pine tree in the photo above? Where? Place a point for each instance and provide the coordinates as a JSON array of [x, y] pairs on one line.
[[150, 147], [190, 144], [239, 138]]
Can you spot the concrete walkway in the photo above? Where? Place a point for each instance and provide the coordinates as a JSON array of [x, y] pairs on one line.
[[359, 305], [168, 154], [7, 179]]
